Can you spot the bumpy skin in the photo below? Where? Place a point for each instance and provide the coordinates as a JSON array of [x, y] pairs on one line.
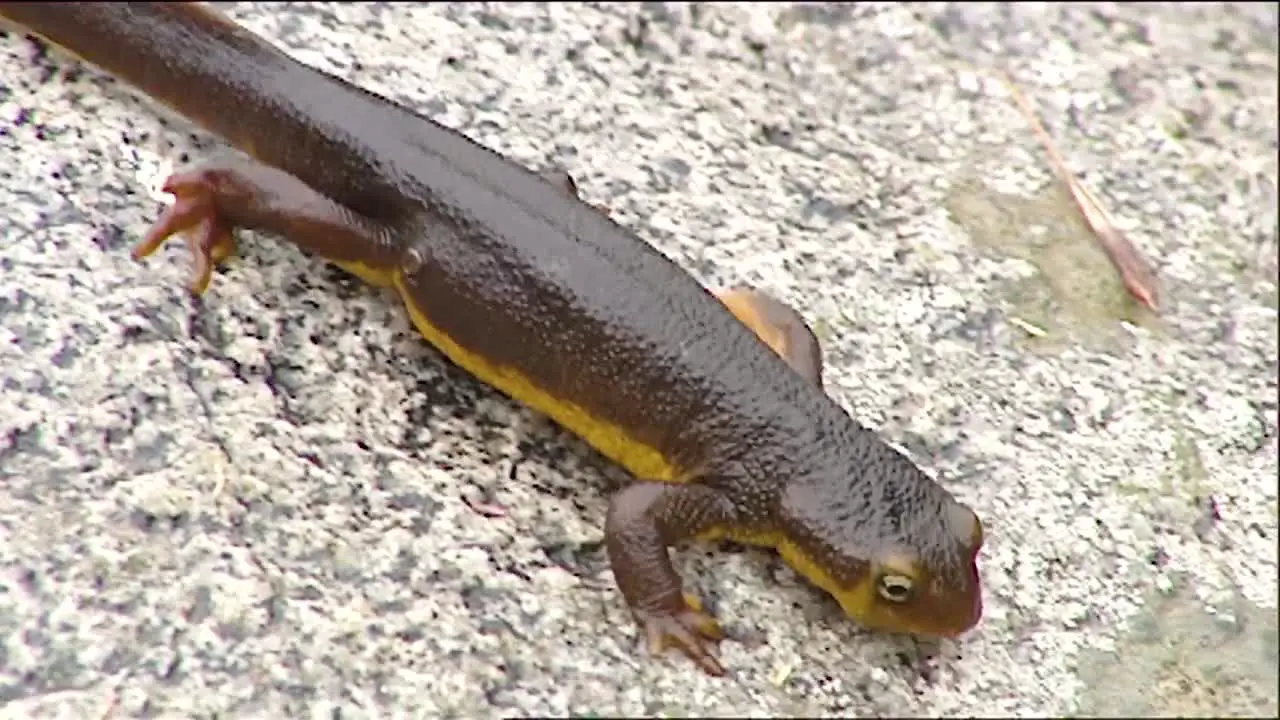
[[543, 296]]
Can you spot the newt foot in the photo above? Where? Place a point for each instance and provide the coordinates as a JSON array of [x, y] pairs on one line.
[[690, 629], [195, 215]]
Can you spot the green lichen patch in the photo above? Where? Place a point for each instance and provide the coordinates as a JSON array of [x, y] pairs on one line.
[[1180, 660], [1076, 294]]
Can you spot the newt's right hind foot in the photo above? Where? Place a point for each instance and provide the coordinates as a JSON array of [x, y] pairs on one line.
[[195, 215]]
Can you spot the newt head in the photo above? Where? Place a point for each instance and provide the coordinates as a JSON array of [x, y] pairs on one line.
[[926, 594], [899, 553]]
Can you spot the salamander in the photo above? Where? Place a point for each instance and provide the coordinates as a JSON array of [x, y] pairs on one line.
[[712, 400]]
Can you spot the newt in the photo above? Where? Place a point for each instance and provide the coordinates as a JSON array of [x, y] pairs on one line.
[[713, 400]]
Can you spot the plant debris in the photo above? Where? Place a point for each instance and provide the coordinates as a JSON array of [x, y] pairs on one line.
[[1138, 277]]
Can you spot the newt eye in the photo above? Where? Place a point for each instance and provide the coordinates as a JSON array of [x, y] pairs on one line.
[[895, 588]]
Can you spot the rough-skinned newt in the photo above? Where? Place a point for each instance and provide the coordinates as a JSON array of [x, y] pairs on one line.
[[713, 401]]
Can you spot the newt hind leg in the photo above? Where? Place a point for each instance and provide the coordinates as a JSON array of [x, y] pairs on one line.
[[212, 201]]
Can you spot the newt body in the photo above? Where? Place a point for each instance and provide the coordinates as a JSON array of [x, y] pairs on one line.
[[714, 403]]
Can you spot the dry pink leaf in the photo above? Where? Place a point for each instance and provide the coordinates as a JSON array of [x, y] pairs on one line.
[[1138, 277]]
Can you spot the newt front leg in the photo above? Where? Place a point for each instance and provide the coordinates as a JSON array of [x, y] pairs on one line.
[[645, 519], [780, 326]]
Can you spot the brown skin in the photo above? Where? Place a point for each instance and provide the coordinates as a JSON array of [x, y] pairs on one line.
[[716, 407]]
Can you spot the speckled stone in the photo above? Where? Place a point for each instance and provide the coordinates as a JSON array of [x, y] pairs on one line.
[[261, 504]]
